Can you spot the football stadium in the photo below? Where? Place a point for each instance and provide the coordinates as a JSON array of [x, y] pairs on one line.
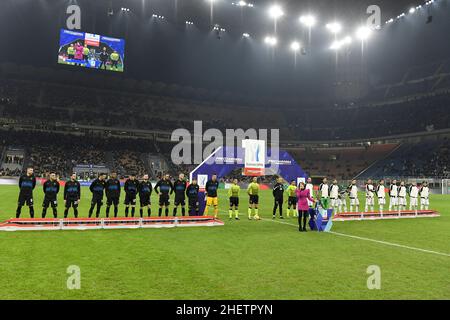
[[209, 150]]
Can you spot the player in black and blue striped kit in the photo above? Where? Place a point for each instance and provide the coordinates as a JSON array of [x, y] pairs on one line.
[[97, 188], [145, 191], [51, 189], [27, 183], [72, 195], [179, 188], [164, 188], [131, 190], [112, 194]]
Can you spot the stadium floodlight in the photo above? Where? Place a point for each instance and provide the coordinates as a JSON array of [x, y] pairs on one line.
[[275, 12], [347, 40], [242, 3], [336, 45], [246, 35], [308, 20], [271, 41], [363, 33], [295, 46], [334, 27], [412, 10]]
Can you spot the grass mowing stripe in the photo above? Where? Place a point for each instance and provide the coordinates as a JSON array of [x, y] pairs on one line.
[[372, 240]]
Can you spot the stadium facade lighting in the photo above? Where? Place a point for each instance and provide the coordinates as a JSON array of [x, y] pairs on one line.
[[334, 27], [271, 41], [275, 12], [308, 20], [295, 46], [363, 33]]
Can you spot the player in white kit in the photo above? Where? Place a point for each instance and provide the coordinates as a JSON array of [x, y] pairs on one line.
[[393, 195], [334, 196], [342, 201], [402, 196], [353, 195], [309, 186], [424, 194], [370, 194], [381, 195], [323, 193], [413, 196]]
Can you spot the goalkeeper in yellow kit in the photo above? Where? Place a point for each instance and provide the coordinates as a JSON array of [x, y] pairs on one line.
[[233, 194], [292, 199], [253, 192]]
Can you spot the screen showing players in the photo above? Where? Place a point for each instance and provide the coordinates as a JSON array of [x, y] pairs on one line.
[[89, 50]]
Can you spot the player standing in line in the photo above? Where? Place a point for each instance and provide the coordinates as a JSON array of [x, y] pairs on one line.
[[424, 194], [192, 194], [253, 201], [211, 195], [86, 54], [278, 191], [145, 189], [112, 191], [402, 196], [324, 193], [71, 52], [342, 200], [163, 189], [381, 195], [292, 199], [97, 186], [27, 183], [131, 190], [103, 58], [310, 187], [353, 195], [233, 194], [413, 195], [393, 195], [51, 189], [72, 195], [370, 194], [334, 196], [179, 187], [114, 60]]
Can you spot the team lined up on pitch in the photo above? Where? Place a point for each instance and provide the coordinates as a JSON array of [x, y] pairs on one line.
[[300, 197]]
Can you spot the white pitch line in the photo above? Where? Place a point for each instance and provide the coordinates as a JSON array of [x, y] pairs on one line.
[[373, 240]]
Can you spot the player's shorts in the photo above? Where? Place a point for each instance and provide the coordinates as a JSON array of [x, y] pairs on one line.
[[179, 201], [413, 201], [164, 200], [425, 201], [393, 201], [193, 203], [28, 199], [71, 203], [97, 201], [370, 201], [334, 202], [71, 56], [144, 200], [114, 63], [234, 201], [112, 201], [50, 202], [253, 199], [354, 201], [130, 199], [401, 201], [381, 201], [212, 201], [292, 201], [278, 200]]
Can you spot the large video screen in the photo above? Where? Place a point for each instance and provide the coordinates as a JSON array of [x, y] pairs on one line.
[[89, 50]]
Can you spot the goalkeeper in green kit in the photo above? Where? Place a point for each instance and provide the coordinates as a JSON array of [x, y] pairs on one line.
[[233, 194]]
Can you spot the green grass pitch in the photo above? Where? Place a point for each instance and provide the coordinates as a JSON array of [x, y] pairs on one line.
[[241, 260]]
